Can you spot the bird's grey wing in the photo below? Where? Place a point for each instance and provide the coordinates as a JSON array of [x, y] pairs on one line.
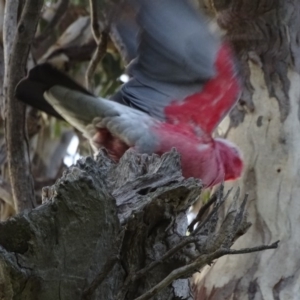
[[52, 91], [176, 55], [89, 113]]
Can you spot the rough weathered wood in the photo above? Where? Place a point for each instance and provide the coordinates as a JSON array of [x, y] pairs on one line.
[[266, 37], [265, 33], [15, 127], [115, 231], [62, 245]]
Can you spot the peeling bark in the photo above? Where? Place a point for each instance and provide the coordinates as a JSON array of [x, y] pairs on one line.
[[266, 33], [266, 37]]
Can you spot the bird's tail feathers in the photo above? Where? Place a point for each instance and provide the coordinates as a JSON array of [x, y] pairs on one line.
[[41, 78]]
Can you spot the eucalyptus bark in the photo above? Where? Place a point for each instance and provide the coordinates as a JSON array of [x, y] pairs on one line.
[[266, 126]]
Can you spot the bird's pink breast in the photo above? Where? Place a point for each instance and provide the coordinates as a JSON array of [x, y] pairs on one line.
[[199, 158], [210, 105]]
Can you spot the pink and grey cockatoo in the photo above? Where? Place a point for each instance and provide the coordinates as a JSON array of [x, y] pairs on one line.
[[183, 82]]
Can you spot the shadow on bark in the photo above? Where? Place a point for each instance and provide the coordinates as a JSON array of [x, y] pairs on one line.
[[117, 231]]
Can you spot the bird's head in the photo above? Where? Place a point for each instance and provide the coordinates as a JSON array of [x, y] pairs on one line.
[[231, 157]]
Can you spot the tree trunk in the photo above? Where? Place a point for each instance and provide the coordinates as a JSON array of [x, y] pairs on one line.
[[108, 231], [266, 127]]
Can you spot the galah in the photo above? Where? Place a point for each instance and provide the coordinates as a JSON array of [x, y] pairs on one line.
[[183, 82]]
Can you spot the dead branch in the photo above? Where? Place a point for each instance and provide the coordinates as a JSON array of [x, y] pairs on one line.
[[200, 263], [101, 40], [18, 156], [218, 203], [204, 208], [96, 58], [60, 9], [143, 197], [134, 277], [94, 9], [5, 192], [75, 53]]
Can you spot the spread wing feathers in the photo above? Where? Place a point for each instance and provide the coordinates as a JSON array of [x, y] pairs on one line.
[[176, 56], [89, 113], [175, 46], [207, 109], [52, 91]]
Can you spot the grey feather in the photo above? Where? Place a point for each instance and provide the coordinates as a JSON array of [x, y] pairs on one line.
[[176, 56], [87, 113], [77, 108]]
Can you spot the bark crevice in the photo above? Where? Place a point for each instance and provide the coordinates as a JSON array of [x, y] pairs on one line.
[[265, 33], [117, 231]]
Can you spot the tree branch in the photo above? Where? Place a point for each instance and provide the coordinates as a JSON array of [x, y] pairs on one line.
[[5, 192], [61, 8], [18, 156], [220, 201], [97, 57], [76, 53], [134, 277], [166, 256], [144, 197], [198, 264], [205, 207], [251, 250], [101, 40], [94, 9], [9, 31]]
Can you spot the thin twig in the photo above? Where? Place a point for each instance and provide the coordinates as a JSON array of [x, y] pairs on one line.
[[9, 31], [166, 256], [134, 277], [77, 53], [15, 125], [101, 40], [215, 209], [251, 250], [87, 294], [218, 195], [198, 264], [203, 209], [48, 37], [97, 57], [94, 9], [60, 10]]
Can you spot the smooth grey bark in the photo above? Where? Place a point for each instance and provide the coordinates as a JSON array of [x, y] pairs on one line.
[[116, 231], [265, 125]]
